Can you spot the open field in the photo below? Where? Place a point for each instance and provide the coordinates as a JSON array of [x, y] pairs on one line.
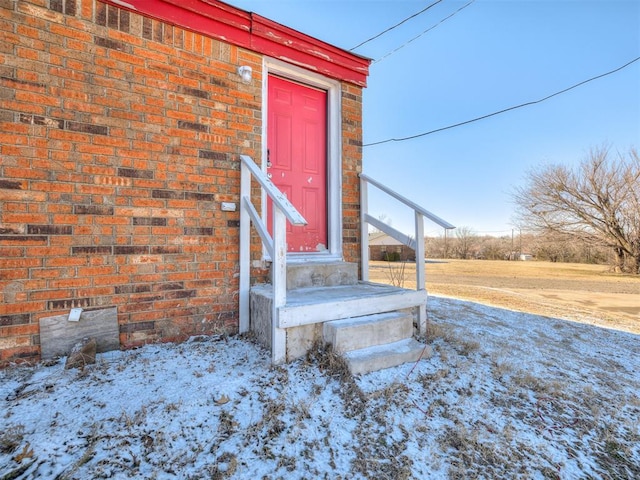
[[585, 293]]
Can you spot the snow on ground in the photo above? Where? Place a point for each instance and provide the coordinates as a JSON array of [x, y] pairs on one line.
[[504, 395]]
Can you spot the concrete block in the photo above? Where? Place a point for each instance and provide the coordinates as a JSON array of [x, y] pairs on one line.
[[301, 339], [260, 302], [58, 335]]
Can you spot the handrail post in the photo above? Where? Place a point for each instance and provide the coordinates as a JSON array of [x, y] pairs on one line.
[[364, 229], [245, 249], [420, 271], [279, 282]]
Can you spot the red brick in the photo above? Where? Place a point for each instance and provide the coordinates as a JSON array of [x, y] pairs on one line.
[[52, 187], [125, 37], [25, 218], [73, 137], [145, 316], [95, 271], [27, 307], [110, 280], [65, 31], [96, 292], [51, 273], [20, 355], [126, 57], [21, 330], [10, 262], [50, 294], [48, 251], [70, 282], [6, 252], [9, 339], [34, 98], [65, 261]]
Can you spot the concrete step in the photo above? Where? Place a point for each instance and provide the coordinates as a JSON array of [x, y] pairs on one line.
[[307, 309], [313, 274], [361, 332], [389, 355]]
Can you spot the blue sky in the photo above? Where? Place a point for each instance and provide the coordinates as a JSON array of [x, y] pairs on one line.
[[490, 56]]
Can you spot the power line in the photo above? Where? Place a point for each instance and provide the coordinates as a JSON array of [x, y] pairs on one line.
[[423, 33], [396, 25], [504, 110]]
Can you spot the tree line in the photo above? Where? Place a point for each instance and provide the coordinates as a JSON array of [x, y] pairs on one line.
[[547, 247], [588, 214]]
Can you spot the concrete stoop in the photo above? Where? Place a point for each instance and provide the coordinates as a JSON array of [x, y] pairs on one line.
[[371, 325]]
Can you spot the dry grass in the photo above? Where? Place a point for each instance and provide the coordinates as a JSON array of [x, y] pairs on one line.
[[335, 366], [11, 438], [587, 293], [499, 399]]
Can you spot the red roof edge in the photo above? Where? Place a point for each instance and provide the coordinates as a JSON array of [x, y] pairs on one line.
[[225, 22]]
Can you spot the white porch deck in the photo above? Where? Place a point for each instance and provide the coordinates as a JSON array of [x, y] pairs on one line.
[[322, 304]]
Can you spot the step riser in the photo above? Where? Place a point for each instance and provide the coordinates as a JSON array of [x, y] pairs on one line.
[[378, 358], [321, 274], [348, 335]]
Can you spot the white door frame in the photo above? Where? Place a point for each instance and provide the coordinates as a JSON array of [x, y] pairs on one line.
[[334, 151]]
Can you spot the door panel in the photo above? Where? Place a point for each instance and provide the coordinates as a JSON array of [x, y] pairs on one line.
[[297, 163]]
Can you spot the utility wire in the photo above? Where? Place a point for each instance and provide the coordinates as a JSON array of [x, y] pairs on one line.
[[423, 33], [504, 110], [396, 25]]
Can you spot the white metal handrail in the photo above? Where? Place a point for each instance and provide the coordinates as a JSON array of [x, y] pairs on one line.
[[416, 243], [276, 246]]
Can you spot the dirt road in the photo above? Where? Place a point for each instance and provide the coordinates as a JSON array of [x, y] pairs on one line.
[[584, 293]]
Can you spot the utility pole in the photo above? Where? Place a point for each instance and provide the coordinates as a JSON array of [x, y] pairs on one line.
[[445, 243], [520, 235], [511, 257]]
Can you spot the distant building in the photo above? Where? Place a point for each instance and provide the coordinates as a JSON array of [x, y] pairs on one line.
[[525, 257], [384, 247]]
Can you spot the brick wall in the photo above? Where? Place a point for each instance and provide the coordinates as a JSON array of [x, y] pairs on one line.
[[351, 167], [119, 139]]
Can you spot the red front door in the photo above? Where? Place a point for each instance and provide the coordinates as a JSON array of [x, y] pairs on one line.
[[297, 158]]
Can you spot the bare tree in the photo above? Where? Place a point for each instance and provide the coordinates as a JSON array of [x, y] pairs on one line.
[[434, 247], [466, 239], [598, 202], [494, 248], [555, 247]]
